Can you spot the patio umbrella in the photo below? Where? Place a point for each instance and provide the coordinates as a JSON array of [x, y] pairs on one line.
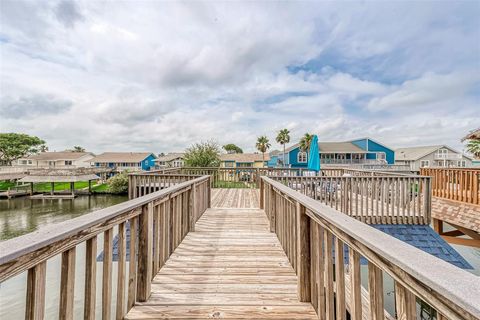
[[314, 157]]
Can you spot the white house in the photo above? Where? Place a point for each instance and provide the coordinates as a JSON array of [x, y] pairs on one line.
[[431, 156], [59, 160]]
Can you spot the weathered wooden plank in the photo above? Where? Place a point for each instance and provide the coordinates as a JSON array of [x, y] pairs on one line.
[[340, 280], [90, 278], [303, 253], [145, 253], [355, 283], [405, 304], [132, 269], [107, 274], [67, 285], [122, 255], [35, 305], [375, 288]]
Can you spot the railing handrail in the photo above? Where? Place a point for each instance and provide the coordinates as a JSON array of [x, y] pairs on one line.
[[15, 248], [419, 271]]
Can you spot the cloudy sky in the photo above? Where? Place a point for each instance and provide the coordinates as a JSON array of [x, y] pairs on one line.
[[157, 76]]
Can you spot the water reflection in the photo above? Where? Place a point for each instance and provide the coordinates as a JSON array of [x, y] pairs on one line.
[[23, 215]]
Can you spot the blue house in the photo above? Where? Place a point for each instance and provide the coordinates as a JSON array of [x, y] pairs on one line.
[[359, 151], [120, 161]]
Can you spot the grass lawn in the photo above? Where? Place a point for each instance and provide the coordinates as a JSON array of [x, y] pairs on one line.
[[4, 185], [100, 188], [59, 186]]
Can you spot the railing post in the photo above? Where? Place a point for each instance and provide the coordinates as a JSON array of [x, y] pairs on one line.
[[273, 212], [262, 194], [209, 192], [192, 209], [303, 253], [145, 253], [35, 307]]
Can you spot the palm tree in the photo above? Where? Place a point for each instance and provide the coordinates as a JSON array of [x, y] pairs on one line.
[[283, 138], [305, 142], [262, 145], [78, 149], [473, 142], [473, 146]]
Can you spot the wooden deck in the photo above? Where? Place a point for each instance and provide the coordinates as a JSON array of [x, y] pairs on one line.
[[235, 198], [231, 267]]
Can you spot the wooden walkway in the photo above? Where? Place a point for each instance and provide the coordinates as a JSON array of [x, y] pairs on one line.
[[235, 198], [231, 267]]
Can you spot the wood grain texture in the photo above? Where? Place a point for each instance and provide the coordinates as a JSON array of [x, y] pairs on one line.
[[107, 274], [67, 285], [90, 278], [35, 305], [231, 267]]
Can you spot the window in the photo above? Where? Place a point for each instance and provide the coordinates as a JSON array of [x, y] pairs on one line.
[[68, 162], [381, 156], [462, 163], [424, 163], [302, 157]]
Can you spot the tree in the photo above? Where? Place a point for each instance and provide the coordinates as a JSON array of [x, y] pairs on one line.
[[118, 183], [263, 145], [78, 149], [14, 146], [473, 146], [473, 142], [305, 142], [283, 138], [202, 154], [232, 148], [43, 148]]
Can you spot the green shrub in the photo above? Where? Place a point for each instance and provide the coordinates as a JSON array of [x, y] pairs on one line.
[[118, 183]]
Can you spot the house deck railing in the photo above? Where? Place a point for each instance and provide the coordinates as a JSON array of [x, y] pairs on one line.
[[157, 223], [459, 184], [315, 237]]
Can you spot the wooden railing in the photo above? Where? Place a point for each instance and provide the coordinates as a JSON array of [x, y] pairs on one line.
[[157, 223], [140, 184], [370, 199], [315, 239], [460, 184]]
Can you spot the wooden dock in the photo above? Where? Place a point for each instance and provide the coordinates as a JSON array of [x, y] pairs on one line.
[[231, 267], [285, 259]]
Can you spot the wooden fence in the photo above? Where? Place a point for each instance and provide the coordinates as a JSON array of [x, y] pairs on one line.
[[316, 239], [157, 222], [460, 184], [370, 199]]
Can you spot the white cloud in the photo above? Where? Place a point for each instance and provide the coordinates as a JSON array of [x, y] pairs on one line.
[[425, 91], [158, 76]]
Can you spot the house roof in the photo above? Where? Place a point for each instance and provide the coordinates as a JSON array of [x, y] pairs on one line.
[[170, 156], [426, 239], [121, 157], [327, 147], [415, 153], [63, 155], [474, 134], [244, 157], [274, 153]]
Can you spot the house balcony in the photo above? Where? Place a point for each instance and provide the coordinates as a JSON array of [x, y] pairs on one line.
[[351, 161], [447, 156]]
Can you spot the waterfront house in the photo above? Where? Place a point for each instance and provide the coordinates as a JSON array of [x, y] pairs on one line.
[[58, 160], [245, 160], [274, 159], [170, 160], [431, 156], [359, 151], [120, 161]]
